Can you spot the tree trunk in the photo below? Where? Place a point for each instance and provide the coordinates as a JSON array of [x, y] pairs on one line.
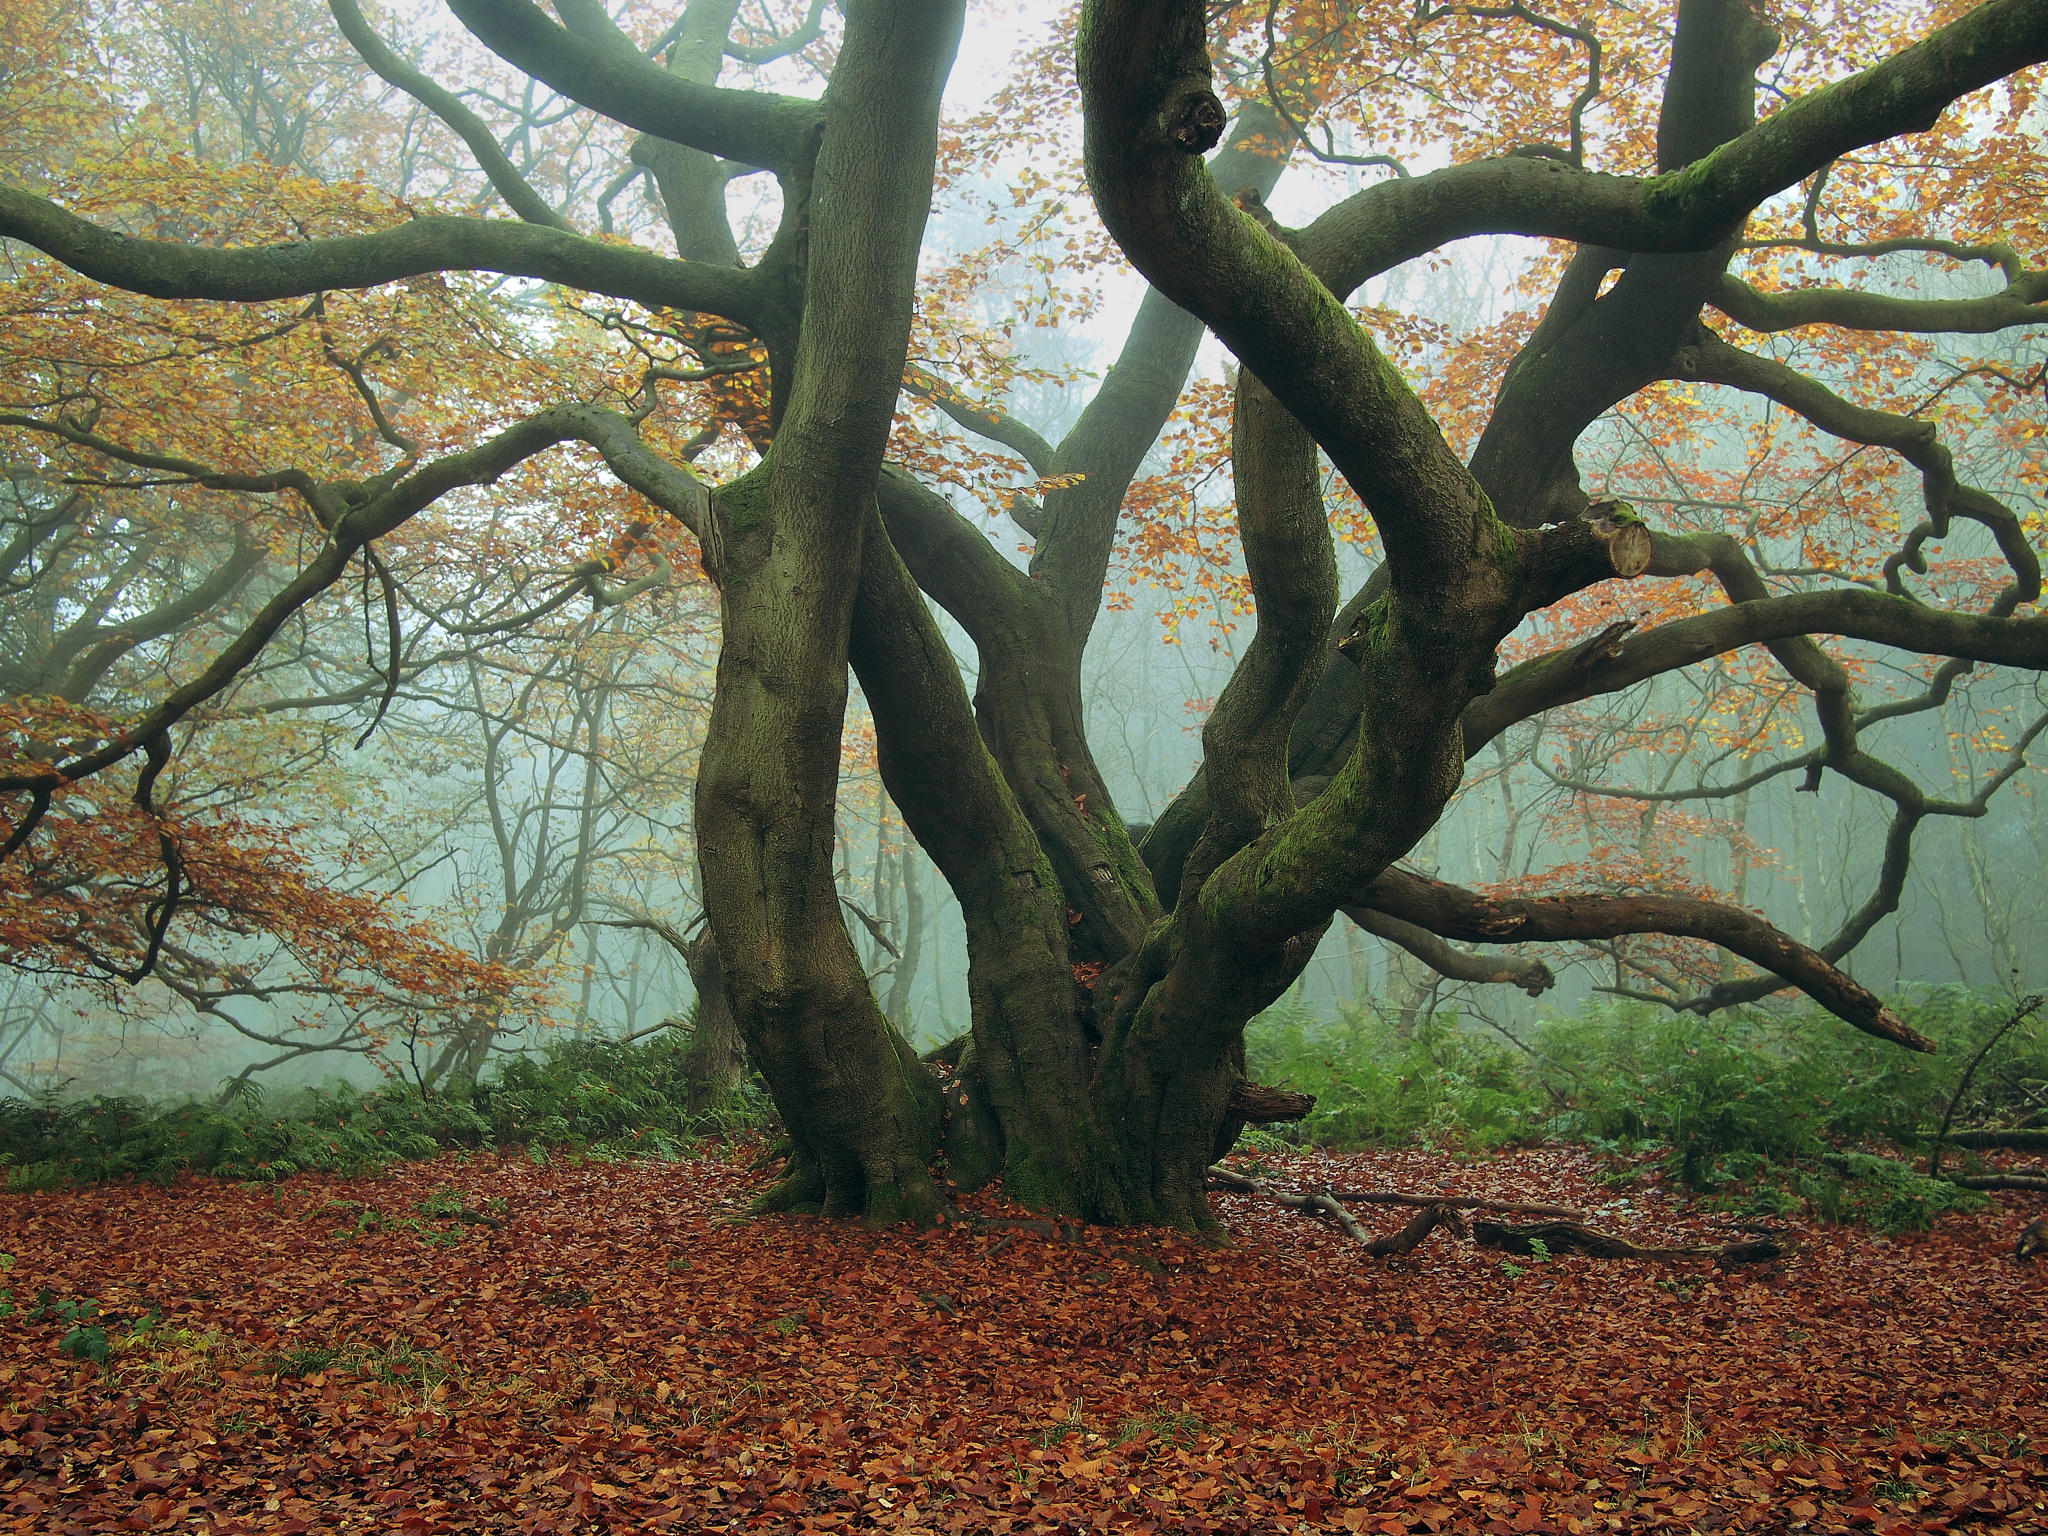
[[897, 1005], [861, 1110], [715, 1063]]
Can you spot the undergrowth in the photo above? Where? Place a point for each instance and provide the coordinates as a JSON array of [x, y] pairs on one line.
[[593, 1098], [1770, 1113], [1767, 1112]]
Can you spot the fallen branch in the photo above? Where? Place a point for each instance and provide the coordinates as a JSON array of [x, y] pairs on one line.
[[1575, 1237], [1256, 1104], [1568, 1234], [1998, 1180], [1419, 1226], [1316, 1205], [2024, 1139], [2028, 1005], [1454, 1202]]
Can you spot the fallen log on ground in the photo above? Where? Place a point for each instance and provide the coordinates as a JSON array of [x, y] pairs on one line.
[[1423, 1223], [1558, 1237], [1315, 1205], [2021, 1138], [2028, 1006], [1998, 1180], [1256, 1104], [1455, 1202], [1569, 1234]]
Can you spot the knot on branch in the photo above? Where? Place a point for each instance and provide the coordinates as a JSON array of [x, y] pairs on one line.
[[1193, 119]]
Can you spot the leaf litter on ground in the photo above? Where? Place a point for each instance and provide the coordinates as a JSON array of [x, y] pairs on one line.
[[627, 1353]]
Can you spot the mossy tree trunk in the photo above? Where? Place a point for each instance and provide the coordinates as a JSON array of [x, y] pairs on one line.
[[861, 1111], [715, 1063]]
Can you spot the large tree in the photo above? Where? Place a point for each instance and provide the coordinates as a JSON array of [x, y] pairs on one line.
[[1111, 982]]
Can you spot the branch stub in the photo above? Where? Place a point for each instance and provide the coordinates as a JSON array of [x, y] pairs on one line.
[[1194, 119]]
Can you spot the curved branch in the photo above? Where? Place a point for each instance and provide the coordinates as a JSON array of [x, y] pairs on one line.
[[1277, 101], [1690, 209], [997, 426], [1713, 361], [808, 31], [169, 269], [1532, 976], [1291, 563], [1453, 912], [444, 104], [1997, 253], [1584, 37], [776, 132], [348, 534], [1117, 428], [1906, 93], [2023, 301], [1548, 681], [1150, 112]]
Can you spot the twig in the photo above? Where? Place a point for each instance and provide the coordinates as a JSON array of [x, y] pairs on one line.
[[2028, 1005], [1315, 1205]]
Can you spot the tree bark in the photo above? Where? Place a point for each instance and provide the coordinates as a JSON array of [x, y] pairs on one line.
[[715, 1063], [861, 1109]]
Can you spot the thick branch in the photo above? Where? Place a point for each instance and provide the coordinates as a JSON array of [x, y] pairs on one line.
[[1292, 565], [1453, 912], [1121, 422], [444, 104], [1150, 111], [776, 132], [1690, 209], [1532, 976], [1548, 681], [167, 269]]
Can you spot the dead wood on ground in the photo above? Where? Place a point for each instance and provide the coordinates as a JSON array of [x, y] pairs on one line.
[[1567, 1234], [1557, 1237]]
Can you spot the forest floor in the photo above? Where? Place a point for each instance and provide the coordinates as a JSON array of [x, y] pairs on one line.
[[622, 1354]]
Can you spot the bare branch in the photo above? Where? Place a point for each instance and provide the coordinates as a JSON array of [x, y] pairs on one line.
[[490, 156]]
